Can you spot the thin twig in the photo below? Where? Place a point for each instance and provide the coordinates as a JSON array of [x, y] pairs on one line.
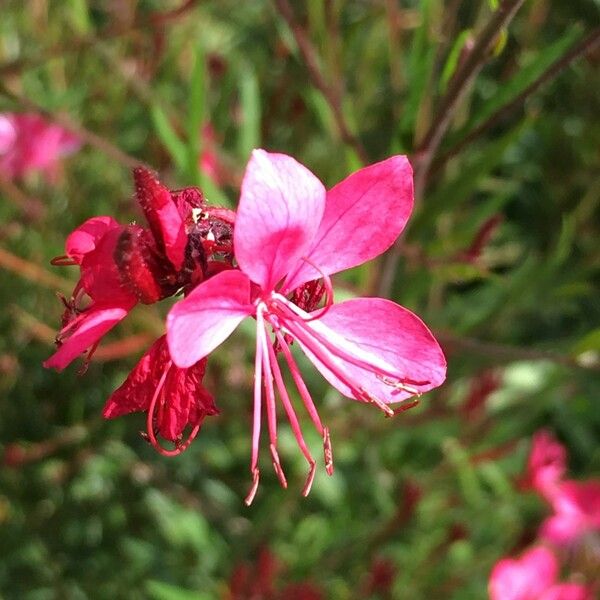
[[465, 74], [309, 54], [32, 208], [588, 44], [33, 272]]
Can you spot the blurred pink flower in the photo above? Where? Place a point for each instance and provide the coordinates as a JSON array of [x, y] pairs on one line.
[[532, 577], [547, 462], [576, 506], [289, 231], [28, 142]]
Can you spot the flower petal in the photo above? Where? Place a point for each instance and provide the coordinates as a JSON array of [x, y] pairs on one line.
[[280, 209], [162, 214], [207, 317], [525, 578], [87, 236], [364, 214], [393, 336], [136, 391], [97, 322]]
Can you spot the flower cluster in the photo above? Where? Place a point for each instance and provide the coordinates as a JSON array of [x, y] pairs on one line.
[[30, 143], [575, 522], [271, 262]]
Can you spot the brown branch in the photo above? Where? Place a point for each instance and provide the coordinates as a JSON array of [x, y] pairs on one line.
[[309, 54], [588, 44]]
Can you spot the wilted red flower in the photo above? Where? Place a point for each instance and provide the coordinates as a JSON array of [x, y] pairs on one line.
[[123, 265], [533, 577], [185, 242], [290, 231], [173, 398], [28, 142]]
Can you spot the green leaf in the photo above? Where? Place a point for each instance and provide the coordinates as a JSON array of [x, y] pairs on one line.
[[196, 114], [249, 132], [525, 76], [452, 60], [168, 137], [163, 591]]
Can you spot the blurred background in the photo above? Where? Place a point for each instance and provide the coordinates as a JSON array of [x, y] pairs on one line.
[[497, 105]]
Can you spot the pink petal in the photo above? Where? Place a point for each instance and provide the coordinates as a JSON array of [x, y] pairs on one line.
[[547, 462], [207, 317], [97, 322], [280, 209], [391, 334], [364, 215], [162, 215], [87, 236], [526, 578]]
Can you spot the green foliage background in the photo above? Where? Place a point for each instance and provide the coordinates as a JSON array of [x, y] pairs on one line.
[[90, 511]]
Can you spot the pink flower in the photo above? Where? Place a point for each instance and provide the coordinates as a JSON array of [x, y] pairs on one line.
[[30, 143], [173, 398], [547, 462], [532, 577], [290, 231], [576, 506]]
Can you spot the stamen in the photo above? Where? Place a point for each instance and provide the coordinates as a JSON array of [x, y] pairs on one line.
[[328, 292], [288, 307], [86, 361], [404, 385], [255, 479], [181, 446], [309, 480], [406, 406], [277, 466], [329, 361], [267, 358], [300, 385], [379, 403], [291, 414], [327, 451], [63, 261], [257, 394]]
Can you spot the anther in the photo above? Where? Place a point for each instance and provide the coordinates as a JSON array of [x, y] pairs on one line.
[[327, 451], [310, 478], [406, 406], [255, 478], [402, 385], [378, 403], [277, 466]]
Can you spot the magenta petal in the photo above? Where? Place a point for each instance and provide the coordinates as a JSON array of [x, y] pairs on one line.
[[162, 214], [364, 215], [87, 236], [525, 578], [280, 209], [207, 317], [394, 336], [97, 322]]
